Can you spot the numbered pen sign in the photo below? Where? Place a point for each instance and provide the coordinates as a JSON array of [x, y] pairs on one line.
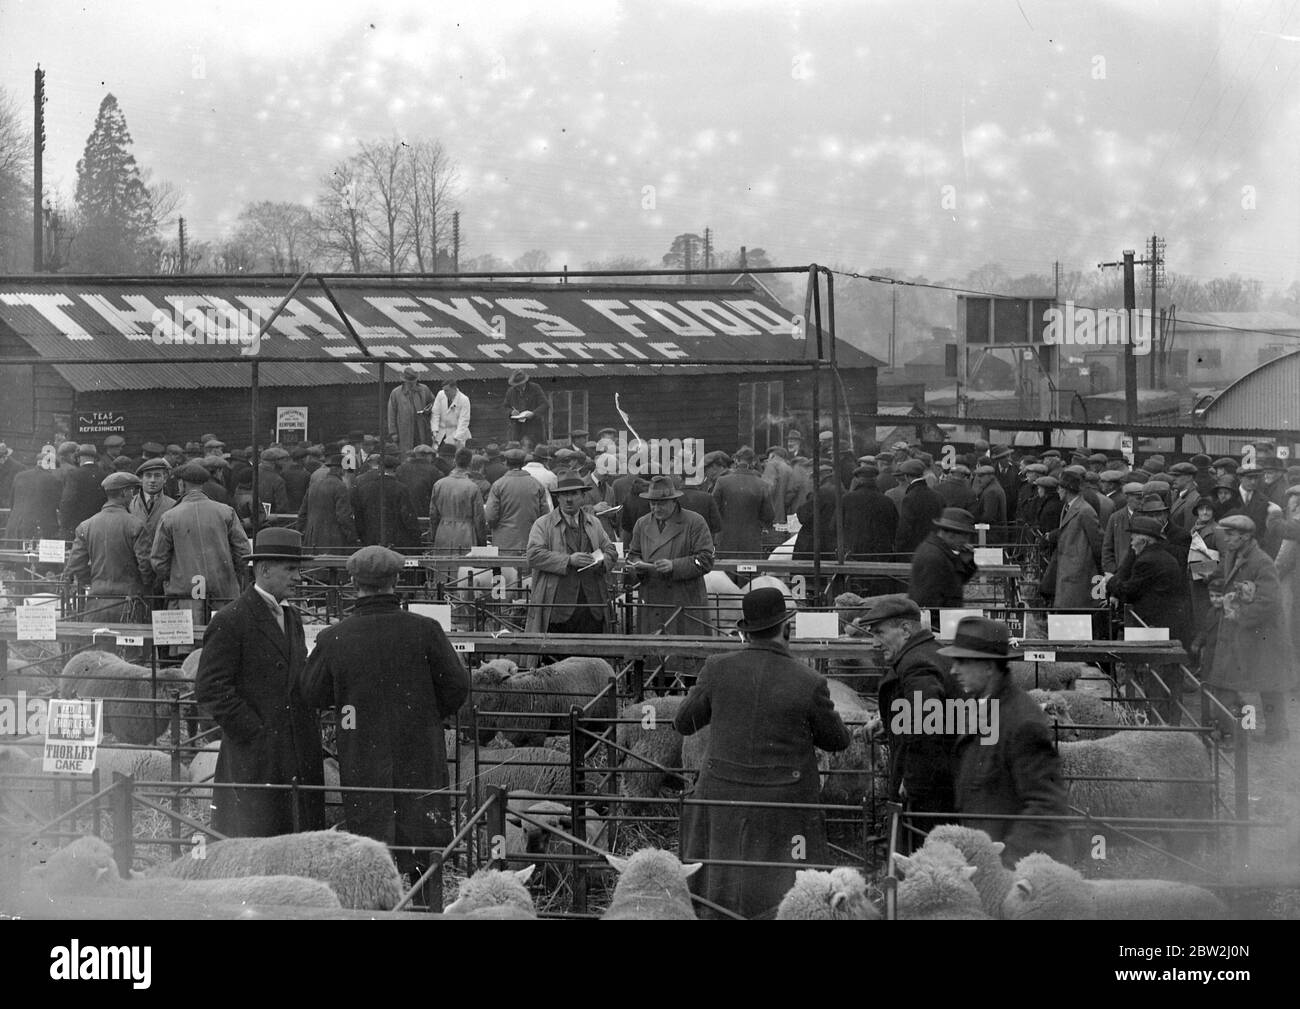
[[1040, 656], [37, 623], [51, 551], [72, 733], [462, 646], [173, 627]]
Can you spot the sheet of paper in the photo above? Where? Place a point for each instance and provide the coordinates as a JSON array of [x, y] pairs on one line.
[[484, 551], [987, 556], [1069, 626], [173, 627], [440, 612], [816, 625], [1146, 633], [51, 551], [37, 623]]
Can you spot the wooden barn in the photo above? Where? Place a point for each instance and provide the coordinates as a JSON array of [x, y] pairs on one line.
[[169, 358]]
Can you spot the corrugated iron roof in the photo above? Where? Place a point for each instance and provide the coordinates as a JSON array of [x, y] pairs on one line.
[[1267, 398], [200, 330]]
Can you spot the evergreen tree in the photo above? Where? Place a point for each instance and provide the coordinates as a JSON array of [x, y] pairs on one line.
[[116, 226]]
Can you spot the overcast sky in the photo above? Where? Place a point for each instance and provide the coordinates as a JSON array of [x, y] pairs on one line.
[[930, 137]]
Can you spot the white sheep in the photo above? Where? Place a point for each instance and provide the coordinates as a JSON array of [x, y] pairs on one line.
[[1081, 708], [651, 887], [529, 835], [651, 737], [1046, 890], [547, 692], [1146, 755], [103, 674], [493, 893], [724, 600], [358, 869], [142, 765], [1046, 675], [86, 868], [937, 886], [838, 895], [518, 769], [992, 879]]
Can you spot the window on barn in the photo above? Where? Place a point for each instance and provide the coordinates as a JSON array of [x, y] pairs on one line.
[[762, 415], [1210, 357], [568, 413]]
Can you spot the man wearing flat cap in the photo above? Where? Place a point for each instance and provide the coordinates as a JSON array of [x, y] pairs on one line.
[[527, 406], [768, 714], [991, 503], [382, 506], [669, 553], [149, 506], [744, 502], [393, 679], [110, 554], [82, 494], [409, 408], [1018, 773], [514, 503], [920, 764], [249, 680], [1182, 510], [955, 487], [325, 517], [450, 419], [271, 489], [944, 562], [199, 548], [918, 509]]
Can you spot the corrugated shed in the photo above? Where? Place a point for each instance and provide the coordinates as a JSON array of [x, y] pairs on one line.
[[1267, 398], [199, 330]]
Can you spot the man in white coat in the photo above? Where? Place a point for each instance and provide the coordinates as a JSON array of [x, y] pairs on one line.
[[451, 415]]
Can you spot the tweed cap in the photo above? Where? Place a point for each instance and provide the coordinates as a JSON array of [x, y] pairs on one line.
[[912, 469], [87, 451], [375, 566], [152, 464], [1238, 523], [717, 458], [193, 472], [890, 607], [1182, 469], [1050, 482], [114, 441], [1099, 457], [152, 448], [119, 481], [1200, 461], [866, 472], [1036, 468], [744, 454], [424, 450], [1226, 462], [1071, 479], [1112, 475], [1157, 487], [515, 455]]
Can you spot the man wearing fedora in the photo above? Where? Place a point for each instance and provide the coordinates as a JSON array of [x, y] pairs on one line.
[[398, 678], [570, 556], [110, 552], [249, 679], [527, 406], [1078, 546], [917, 509], [669, 553], [944, 562], [768, 714], [1019, 772], [920, 765], [409, 407], [325, 518], [451, 415], [199, 549]]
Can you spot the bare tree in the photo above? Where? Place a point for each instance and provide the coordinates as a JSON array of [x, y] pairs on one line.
[[534, 260], [383, 170], [432, 181], [344, 205], [15, 188], [282, 233]]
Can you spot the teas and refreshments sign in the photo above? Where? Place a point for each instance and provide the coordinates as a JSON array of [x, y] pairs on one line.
[[100, 422]]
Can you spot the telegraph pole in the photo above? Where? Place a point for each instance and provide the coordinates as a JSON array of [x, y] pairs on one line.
[[1130, 362], [708, 248], [1155, 264], [38, 184], [180, 242], [455, 242]]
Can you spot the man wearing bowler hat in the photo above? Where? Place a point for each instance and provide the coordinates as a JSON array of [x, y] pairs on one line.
[[393, 678], [409, 407], [249, 679], [768, 715], [1017, 772], [527, 406], [920, 764], [944, 562]]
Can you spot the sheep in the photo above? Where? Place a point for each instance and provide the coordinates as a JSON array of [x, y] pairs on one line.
[[724, 600], [652, 737], [1139, 754], [937, 886], [359, 869], [651, 887], [1046, 890], [86, 868], [526, 837], [492, 893], [770, 582], [838, 895], [102, 674], [992, 879], [1081, 708], [1046, 675], [518, 769], [549, 691], [142, 765]]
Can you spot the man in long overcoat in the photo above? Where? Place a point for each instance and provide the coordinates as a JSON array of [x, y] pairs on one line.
[[917, 510], [393, 678], [110, 552], [669, 553], [35, 513], [82, 495], [1078, 547], [527, 406], [570, 556], [456, 519], [767, 714], [382, 507], [253, 656], [514, 502], [1250, 649], [944, 562], [409, 407], [325, 518], [745, 505]]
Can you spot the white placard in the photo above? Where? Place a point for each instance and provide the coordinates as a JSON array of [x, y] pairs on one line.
[[51, 551], [1126, 447], [618, 548], [743, 569], [816, 625], [792, 524], [440, 612], [1146, 633], [410, 562], [981, 527], [988, 556], [130, 640], [1040, 656], [484, 551], [37, 623], [173, 627], [1069, 626], [949, 619], [463, 646], [72, 734]]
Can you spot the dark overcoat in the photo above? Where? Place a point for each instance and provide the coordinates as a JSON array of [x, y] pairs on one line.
[[1155, 588], [920, 762], [35, 513], [1251, 651], [916, 514], [686, 542], [401, 527], [939, 573], [325, 518], [768, 714], [870, 522], [1019, 774], [392, 677], [745, 506], [82, 497], [248, 679]]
